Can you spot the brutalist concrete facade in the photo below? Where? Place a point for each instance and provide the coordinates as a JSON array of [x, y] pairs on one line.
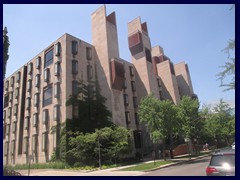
[[36, 94]]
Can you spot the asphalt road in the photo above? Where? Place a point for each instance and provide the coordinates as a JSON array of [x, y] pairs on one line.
[[192, 168]]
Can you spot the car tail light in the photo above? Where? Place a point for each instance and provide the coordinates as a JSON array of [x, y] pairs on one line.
[[210, 170]]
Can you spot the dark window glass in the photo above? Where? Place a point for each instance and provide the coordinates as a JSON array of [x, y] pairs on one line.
[[6, 85], [136, 118], [131, 71], [133, 86], [75, 88], [18, 77], [218, 160], [135, 105], [30, 68], [148, 55], [74, 66], [6, 100], [38, 62], [46, 74], [48, 58], [57, 49], [89, 72], [37, 80], [127, 115], [16, 93], [12, 81], [125, 84], [74, 47], [89, 53], [47, 96], [57, 69], [125, 99]]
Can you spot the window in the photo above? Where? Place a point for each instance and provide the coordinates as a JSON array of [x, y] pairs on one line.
[[35, 120], [26, 123], [48, 58], [47, 96], [74, 47], [6, 100], [46, 74], [135, 104], [37, 80], [36, 100], [136, 118], [15, 110], [74, 66], [30, 68], [127, 116], [56, 112], [14, 127], [57, 90], [28, 103], [44, 141], [133, 86], [126, 99], [125, 84], [75, 87], [25, 145], [29, 85], [12, 81], [8, 129], [9, 112], [13, 147], [45, 116], [89, 53], [6, 145], [57, 49], [6, 85], [57, 68], [131, 71], [89, 72], [16, 93], [4, 115], [38, 62], [34, 143], [10, 96], [18, 77], [148, 55]]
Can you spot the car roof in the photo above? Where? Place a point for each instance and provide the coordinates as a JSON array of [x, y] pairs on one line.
[[224, 151]]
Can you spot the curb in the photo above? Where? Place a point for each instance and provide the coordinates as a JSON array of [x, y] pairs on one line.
[[176, 163]]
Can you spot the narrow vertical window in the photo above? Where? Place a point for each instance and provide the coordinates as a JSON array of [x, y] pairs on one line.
[[125, 99], [125, 84], [56, 113], [36, 100], [25, 145], [57, 68], [45, 116], [10, 96], [48, 60], [89, 53], [44, 142], [4, 115], [9, 112], [75, 111], [57, 90], [46, 74], [16, 93], [75, 87], [6, 146], [74, 66], [35, 120], [30, 68], [8, 129], [14, 127], [18, 77], [34, 143], [74, 47], [29, 85], [26, 123], [28, 103], [37, 80], [47, 95], [135, 105], [6, 85], [136, 118], [15, 109], [131, 71], [127, 116], [89, 72], [38, 62], [57, 49], [12, 81], [133, 86], [13, 147]]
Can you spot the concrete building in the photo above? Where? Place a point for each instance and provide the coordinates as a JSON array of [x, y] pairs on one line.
[[35, 95]]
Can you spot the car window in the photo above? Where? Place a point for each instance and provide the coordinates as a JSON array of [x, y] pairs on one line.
[[218, 160]]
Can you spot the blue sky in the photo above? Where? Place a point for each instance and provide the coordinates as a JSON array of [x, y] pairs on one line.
[[193, 33]]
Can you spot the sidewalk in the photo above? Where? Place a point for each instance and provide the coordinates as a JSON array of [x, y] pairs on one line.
[[105, 172]]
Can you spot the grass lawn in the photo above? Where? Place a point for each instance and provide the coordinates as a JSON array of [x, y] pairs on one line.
[[147, 166]]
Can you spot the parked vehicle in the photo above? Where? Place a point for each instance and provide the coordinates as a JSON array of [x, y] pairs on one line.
[[222, 163], [233, 145]]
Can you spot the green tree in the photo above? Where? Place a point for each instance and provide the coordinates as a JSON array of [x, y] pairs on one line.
[[112, 142], [228, 68], [160, 117], [188, 113], [5, 50]]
